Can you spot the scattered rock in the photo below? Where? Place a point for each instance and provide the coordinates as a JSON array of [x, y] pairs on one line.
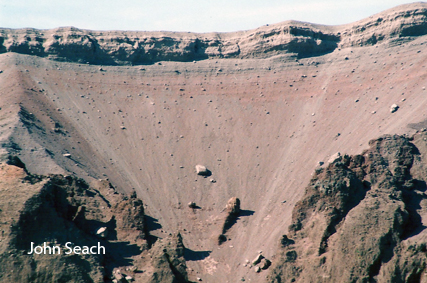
[[265, 263], [129, 278], [394, 108], [117, 275], [258, 259], [202, 170], [192, 204], [102, 232]]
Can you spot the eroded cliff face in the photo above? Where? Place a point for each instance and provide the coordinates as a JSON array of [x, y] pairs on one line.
[[297, 39], [361, 219], [134, 48]]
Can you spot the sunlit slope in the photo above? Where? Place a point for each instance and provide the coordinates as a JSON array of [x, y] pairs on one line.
[[261, 126]]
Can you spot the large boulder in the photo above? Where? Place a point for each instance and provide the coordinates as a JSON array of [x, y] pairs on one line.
[[233, 206], [202, 170]]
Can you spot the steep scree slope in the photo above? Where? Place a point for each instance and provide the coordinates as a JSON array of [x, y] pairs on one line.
[[260, 124]]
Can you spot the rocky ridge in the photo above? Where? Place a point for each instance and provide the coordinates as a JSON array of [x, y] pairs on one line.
[[361, 218], [293, 38], [58, 209]]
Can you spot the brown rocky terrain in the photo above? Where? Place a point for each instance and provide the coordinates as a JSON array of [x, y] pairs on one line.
[[361, 219], [58, 209], [263, 110]]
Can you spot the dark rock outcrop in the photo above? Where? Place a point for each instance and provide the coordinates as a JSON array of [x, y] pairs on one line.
[[359, 218], [56, 210], [168, 261]]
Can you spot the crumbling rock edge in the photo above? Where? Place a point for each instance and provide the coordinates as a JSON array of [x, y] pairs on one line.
[[360, 219], [298, 39], [58, 209]]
